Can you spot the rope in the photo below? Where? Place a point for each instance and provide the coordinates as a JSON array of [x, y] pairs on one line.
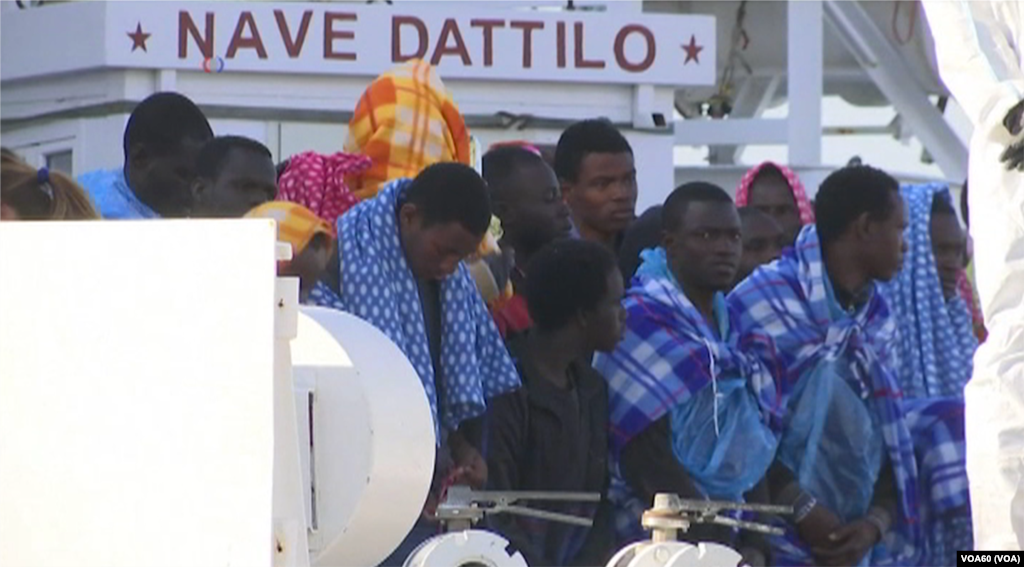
[[714, 383], [740, 42], [910, 28]]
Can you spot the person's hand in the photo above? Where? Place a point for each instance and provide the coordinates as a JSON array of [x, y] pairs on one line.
[[849, 544], [460, 464], [470, 467], [819, 524], [429, 507]]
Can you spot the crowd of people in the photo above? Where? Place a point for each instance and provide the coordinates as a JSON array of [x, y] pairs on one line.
[[764, 349]]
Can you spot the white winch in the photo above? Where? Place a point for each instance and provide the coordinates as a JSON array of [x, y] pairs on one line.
[[469, 548], [671, 515]]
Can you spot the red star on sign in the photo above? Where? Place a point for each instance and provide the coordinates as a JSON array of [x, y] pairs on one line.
[[139, 38], [692, 50]]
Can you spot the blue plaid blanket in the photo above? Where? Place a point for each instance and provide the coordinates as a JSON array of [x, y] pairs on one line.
[[936, 350], [937, 427], [667, 356], [379, 287], [787, 319]]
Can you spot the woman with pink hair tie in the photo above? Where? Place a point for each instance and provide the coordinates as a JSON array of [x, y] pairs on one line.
[[777, 191]]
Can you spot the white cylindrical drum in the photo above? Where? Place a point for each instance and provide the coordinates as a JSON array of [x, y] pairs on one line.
[[366, 438], [469, 548], [675, 554]]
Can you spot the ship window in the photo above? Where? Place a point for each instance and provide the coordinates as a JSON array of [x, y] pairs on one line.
[[60, 161]]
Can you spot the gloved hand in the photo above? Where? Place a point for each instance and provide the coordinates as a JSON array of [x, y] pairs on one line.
[[1013, 156]]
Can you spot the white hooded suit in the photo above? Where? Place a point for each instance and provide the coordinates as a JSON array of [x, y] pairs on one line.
[[980, 51]]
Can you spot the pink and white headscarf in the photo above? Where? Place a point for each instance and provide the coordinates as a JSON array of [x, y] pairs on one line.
[[317, 182], [803, 204]]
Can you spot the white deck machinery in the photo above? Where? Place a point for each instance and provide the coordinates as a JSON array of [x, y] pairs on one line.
[[164, 401], [669, 517], [167, 402]]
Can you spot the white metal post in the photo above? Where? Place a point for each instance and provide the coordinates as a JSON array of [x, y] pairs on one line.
[[167, 80], [805, 62], [750, 102]]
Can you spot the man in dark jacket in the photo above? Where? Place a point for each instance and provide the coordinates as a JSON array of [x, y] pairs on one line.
[[551, 435]]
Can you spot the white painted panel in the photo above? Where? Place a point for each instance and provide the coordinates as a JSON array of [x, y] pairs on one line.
[[325, 138], [253, 129], [101, 144], [136, 410], [655, 178]]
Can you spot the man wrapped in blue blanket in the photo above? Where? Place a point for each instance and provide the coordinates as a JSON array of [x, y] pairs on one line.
[[847, 439], [399, 266], [683, 396], [937, 340], [936, 346]]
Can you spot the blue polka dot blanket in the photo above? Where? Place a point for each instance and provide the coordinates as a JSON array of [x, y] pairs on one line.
[[936, 350], [937, 340], [379, 287]]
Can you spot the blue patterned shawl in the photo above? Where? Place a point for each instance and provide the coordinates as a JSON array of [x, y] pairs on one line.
[[379, 287], [323, 296]]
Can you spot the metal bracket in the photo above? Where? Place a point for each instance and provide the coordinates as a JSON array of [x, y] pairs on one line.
[[750, 101], [672, 514], [462, 506]]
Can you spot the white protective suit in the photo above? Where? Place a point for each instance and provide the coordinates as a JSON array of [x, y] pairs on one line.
[[980, 51]]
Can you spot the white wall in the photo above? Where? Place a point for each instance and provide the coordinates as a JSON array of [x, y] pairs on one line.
[[296, 137], [97, 143], [255, 129], [102, 144]]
